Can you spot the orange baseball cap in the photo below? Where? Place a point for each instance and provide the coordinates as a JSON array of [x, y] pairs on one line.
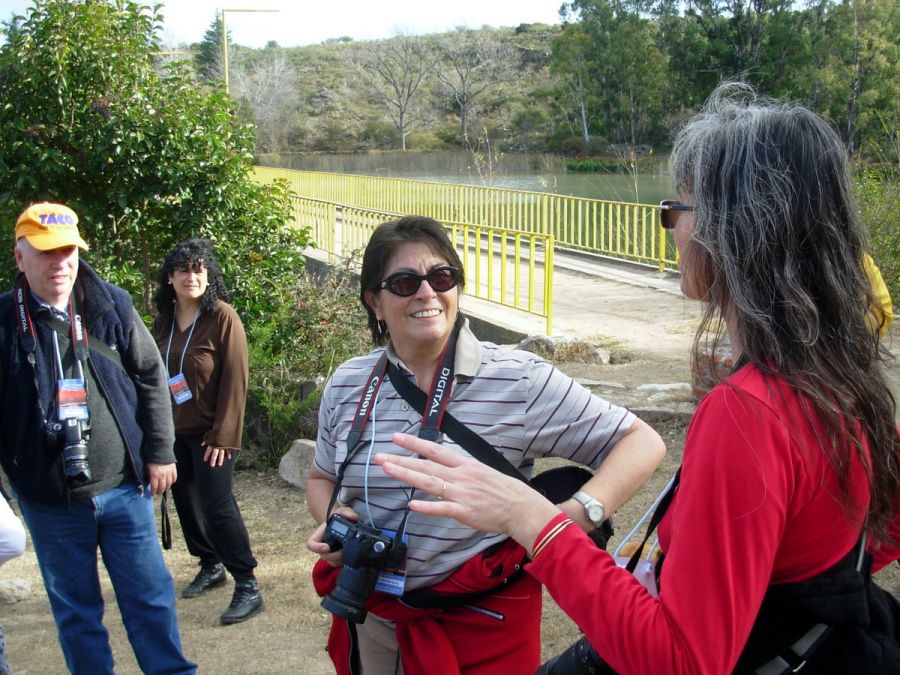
[[47, 226]]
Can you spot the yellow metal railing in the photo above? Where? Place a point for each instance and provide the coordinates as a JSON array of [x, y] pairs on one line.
[[616, 229], [514, 269]]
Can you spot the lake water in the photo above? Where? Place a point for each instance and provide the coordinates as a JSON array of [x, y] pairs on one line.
[[538, 173]]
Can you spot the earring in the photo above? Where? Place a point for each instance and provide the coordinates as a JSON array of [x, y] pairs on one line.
[[381, 327]]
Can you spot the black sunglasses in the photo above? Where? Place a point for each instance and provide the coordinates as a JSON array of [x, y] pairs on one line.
[[404, 284], [669, 210]]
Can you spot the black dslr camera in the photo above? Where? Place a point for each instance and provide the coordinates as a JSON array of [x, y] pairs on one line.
[[365, 552], [75, 435]]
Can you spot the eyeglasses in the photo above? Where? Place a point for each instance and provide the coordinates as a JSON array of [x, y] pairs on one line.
[[669, 210], [405, 284]]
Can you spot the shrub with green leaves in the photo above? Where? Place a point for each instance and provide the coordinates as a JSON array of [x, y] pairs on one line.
[[144, 155], [299, 346], [878, 197], [147, 158]]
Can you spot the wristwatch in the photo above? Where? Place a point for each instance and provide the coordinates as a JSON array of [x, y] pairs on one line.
[[593, 509]]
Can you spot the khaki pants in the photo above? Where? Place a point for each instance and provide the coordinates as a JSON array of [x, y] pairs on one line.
[[378, 651]]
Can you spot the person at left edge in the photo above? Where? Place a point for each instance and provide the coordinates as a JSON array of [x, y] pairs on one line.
[[204, 349], [12, 544], [86, 440]]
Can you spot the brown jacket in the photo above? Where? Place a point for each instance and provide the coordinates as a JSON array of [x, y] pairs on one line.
[[216, 369]]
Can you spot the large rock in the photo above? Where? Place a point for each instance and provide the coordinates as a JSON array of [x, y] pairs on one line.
[[565, 348], [14, 590], [712, 364], [294, 465]]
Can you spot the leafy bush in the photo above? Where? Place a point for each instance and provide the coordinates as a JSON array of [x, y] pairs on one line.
[[295, 349], [144, 156], [879, 202], [594, 166]]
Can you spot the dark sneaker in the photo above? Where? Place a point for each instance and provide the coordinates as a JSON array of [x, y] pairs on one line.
[[206, 578], [245, 602]]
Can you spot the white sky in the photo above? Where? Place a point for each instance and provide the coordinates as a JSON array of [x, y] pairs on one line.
[[304, 22]]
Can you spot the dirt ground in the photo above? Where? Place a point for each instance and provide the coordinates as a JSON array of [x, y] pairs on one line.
[[289, 636]]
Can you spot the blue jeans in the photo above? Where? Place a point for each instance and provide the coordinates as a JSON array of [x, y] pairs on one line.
[[66, 538]]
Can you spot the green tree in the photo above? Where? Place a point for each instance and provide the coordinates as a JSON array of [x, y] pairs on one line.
[[145, 158], [208, 58], [628, 68], [571, 60], [861, 71]]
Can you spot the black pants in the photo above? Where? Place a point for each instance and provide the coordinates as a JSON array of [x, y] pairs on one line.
[[210, 519]]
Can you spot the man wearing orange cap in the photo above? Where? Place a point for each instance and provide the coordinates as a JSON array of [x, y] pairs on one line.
[[86, 438]]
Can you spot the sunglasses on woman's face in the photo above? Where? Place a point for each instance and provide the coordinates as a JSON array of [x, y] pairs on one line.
[[404, 284], [669, 212]]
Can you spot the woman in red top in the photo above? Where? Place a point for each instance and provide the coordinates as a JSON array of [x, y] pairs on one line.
[[786, 462]]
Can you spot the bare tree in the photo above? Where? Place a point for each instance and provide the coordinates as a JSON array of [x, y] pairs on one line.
[[399, 66], [266, 86], [472, 63]]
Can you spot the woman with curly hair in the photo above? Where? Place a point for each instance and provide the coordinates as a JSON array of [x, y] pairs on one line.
[[202, 340]]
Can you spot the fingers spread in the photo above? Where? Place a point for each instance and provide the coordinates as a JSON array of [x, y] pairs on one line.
[[427, 449]]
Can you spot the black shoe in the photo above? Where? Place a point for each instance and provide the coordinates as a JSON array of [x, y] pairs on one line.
[[245, 602], [206, 578]]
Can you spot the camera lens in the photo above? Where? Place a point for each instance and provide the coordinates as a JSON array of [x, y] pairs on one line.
[[75, 459], [75, 452], [348, 599]]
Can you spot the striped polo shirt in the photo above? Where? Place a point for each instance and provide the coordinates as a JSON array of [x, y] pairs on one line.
[[518, 402]]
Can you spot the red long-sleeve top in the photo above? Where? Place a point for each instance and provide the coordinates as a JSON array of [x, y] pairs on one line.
[[758, 504]]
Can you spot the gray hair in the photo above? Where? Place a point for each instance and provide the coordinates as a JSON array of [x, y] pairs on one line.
[[778, 248]]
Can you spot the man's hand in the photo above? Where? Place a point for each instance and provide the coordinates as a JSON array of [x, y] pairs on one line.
[[161, 477]]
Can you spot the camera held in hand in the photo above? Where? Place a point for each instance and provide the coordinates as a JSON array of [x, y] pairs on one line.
[[75, 435], [365, 552]]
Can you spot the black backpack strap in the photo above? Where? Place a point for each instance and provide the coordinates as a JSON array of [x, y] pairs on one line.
[[474, 444], [794, 656], [661, 509], [96, 345]]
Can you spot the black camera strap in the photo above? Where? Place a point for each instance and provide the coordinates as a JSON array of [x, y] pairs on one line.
[[78, 336], [467, 439], [97, 345], [442, 382]]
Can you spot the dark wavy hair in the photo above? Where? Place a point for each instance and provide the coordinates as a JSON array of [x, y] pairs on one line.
[[387, 239], [778, 249], [191, 253]]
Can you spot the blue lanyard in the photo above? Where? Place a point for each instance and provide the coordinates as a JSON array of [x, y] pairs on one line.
[[184, 349]]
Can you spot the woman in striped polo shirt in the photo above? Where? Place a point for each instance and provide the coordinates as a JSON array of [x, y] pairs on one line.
[[455, 600]]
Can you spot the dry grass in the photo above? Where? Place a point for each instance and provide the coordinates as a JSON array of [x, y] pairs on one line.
[[289, 636]]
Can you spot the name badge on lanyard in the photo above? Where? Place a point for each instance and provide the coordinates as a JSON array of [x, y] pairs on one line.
[[72, 398], [178, 385], [181, 392]]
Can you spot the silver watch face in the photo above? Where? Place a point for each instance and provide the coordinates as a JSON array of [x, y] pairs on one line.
[[595, 513]]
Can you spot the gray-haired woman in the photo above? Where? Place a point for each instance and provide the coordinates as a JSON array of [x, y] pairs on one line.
[[787, 463]]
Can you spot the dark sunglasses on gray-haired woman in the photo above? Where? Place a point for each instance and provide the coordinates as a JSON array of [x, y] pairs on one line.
[[670, 210], [404, 284]]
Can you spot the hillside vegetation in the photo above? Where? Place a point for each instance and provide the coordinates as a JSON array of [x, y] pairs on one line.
[[613, 77]]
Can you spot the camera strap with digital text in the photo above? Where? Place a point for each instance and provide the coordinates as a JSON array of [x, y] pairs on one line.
[[442, 382], [432, 415], [467, 439]]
